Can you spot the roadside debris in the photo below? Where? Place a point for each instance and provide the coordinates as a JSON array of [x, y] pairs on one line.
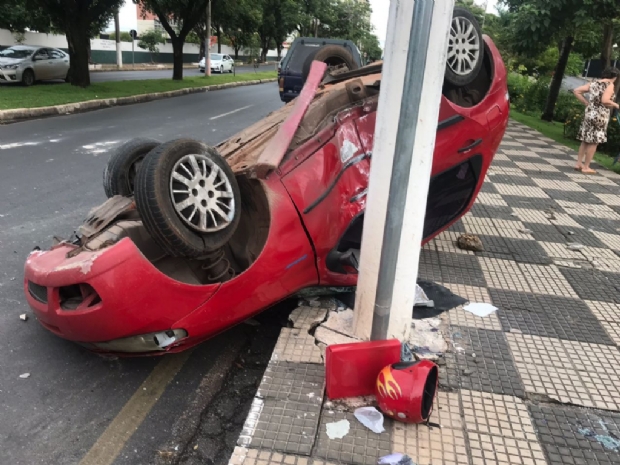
[[396, 459], [338, 429], [443, 300], [470, 242], [525, 231], [371, 418], [426, 340], [24, 375], [480, 309], [421, 299], [608, 441], [575, 246], [23, 317]]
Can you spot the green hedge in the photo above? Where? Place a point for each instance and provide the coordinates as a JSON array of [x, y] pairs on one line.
[[528, 95]]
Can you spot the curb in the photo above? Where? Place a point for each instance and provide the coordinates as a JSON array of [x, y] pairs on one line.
[[24, 114]]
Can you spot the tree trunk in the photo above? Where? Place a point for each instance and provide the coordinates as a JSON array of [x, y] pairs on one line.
[[279, 49], [608, 42], [177, 58], [117, 33], [558, 76], [201, 53], [78, 42], [237, 48], [219, 40]]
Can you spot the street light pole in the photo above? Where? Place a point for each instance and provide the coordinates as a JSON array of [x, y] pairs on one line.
[[208, 42], [402, 156]]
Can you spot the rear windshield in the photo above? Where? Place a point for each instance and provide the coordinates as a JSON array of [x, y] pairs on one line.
[[216, 56], [299, 54]]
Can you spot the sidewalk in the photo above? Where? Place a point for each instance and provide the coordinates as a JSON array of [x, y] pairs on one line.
[[537, 382]]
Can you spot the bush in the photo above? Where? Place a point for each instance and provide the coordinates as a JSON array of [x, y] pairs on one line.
[[526, 93]]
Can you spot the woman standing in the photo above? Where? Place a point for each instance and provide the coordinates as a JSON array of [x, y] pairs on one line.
[[593, 130]]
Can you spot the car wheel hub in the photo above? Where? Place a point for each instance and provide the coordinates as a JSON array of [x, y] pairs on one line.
[[201, 194], [463, 46]]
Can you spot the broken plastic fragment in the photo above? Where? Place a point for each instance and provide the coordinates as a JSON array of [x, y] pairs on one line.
[[24, 375], [371, 418], [480, 309], [23, 317], [396, 459], [338, 430], [575, 246]]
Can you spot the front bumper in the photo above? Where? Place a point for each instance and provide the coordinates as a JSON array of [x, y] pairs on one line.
[[10, 76], [106, 295]]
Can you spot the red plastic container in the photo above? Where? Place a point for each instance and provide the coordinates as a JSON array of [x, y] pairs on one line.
[[351, 370]]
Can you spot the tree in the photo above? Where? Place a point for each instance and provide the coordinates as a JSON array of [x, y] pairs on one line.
[[79, 20], [178, 18], [18, 15], [240, 23], [539, 23], [150, 41]]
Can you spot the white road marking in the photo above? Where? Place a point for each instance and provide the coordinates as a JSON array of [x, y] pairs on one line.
[[230, 112], [15, 145]]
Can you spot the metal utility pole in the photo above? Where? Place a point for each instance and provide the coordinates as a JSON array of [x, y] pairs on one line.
[[412, 78], [208, 42], [119, 50]]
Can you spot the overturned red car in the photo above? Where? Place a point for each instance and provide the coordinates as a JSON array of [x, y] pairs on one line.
[[195, 239]]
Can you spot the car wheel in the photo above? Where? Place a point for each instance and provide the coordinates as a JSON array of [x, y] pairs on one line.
[[465, 49], [188, 198], [232, 68], [28, 77], [221, 70], [334, 56], [121, 170]]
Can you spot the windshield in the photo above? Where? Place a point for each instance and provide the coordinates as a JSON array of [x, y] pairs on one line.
[[17, 53], [216, 57]]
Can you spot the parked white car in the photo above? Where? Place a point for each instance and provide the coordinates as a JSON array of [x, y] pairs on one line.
[[27, 64], [219, 63]]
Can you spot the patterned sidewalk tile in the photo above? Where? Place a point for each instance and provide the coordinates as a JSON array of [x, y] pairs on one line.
[[560, 186], [491, 199], [610, 240], [360, 446], [503, 274], [245, 456], [284, 426], [300, 382], [307, 317], [609, 199], [548, 316], [485, 363], [296, 345], [592, 285], [434, 446], [522, 191], [577, 436], [497, 415], [547, 280]]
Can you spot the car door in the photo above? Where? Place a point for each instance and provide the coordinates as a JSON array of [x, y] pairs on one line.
[[41, 65], [229, 63], [59, 64]]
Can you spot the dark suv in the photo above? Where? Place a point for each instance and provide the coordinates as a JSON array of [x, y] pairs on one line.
[[295, 66]]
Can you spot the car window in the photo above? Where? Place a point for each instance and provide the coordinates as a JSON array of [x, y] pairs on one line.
[[16, 53], [41, 55], [216, 57], [56, 54], [299, 55]]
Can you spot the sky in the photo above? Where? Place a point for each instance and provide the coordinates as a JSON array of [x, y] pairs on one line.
[[380, 13]]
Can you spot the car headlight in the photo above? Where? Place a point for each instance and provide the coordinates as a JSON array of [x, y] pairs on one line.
[[10, 66]]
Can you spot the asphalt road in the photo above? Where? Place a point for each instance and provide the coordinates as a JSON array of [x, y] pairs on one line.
[[50, 177], [105, 76]]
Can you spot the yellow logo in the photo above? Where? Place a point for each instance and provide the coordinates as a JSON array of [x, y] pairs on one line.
[[388, 387]]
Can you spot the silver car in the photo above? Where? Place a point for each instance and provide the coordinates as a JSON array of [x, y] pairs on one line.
[[26, 64]]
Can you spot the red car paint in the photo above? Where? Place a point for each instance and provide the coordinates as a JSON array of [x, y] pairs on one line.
[[318, 189]]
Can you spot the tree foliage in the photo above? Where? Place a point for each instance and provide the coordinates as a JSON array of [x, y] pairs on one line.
[[125, 36], [150, 41]]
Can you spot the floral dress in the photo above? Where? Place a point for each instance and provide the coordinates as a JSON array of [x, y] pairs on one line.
[[593, 128]]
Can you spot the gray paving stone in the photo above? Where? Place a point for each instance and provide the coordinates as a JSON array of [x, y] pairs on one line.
[[488, 188], [593, 284], [499, 213], [281, 425], [548, 316], [512, 180], [505, 164], [577, 436], [585, 237], [515, 201], [301, 382], [359, 447], [485, 363], [598, 224], [570, 196]]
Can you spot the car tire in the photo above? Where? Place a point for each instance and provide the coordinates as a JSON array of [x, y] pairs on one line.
[[161, 196], [221, 70], [121, 170], [28, 77], [333, 55], [232, 69], [465, 49]]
